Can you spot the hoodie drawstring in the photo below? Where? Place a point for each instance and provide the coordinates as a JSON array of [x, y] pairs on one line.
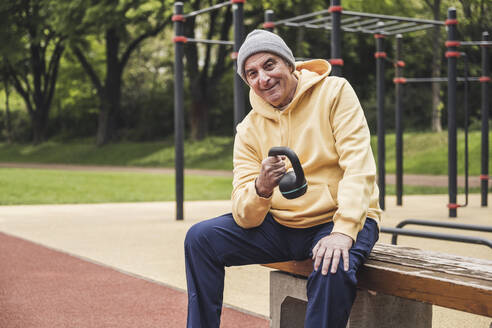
[[280, 126], [289, 127], [289, 130]]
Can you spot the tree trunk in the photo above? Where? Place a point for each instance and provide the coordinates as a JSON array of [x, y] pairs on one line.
[[199, 118], [7, 110], [111, 96], [39, 124], [103, 133], [436, 70]]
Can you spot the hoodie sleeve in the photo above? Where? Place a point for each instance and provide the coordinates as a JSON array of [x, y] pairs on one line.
[[353, 145], [248, 208]]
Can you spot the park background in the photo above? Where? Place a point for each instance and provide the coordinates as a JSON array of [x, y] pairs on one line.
[[86, 116], [87, 82]]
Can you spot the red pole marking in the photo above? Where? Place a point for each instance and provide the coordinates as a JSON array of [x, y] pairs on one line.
[[451, 22], [268, 25], [378, 36], [484, 79], [452, 54], [398, 80], [400, 63], [453, 206], [178, 18], [336, 61], [238, 1], [484, 177], [180, 38], [452, 44], [333, 9], [380, 54]]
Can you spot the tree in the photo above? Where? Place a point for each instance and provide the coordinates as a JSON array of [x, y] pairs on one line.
[[122, 25], [435, 6], [204, 77], [32, 56], [8, 122]]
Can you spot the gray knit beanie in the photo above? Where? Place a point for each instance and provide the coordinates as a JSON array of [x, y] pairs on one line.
[[262, 41]]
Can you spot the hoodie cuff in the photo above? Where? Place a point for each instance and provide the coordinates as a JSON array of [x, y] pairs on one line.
[[348, 227]]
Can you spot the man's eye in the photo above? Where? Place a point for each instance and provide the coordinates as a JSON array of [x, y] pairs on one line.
[[251, 74]]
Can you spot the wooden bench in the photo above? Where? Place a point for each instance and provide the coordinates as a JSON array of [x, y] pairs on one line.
[[397, 288]]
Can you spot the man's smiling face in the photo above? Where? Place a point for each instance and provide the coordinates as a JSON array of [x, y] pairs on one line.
[[271, 78]]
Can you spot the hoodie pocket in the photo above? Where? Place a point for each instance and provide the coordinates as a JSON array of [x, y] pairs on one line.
[[317, 201]]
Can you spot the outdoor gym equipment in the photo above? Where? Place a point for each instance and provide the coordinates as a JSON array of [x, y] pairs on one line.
[[398, 230], [292, 184], [452, 56], [336, 20], [179, 40]]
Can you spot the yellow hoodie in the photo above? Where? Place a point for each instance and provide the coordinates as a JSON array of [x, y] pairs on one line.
[[325, 126]]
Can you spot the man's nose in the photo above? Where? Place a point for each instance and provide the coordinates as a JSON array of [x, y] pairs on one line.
[[264, 78]]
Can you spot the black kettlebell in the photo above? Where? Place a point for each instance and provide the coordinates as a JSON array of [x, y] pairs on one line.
[[292, 184]]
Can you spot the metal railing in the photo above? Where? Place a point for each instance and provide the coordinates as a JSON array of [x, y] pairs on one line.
[[441, 236]]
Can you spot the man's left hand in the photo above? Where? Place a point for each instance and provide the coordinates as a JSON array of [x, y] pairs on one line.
[[329, 248]]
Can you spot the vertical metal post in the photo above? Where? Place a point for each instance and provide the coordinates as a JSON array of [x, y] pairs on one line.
[[336, 38], [398, 121], [452, 55], [485, 80], [238, 16], [380, 58], [269, 24], [178, 109]]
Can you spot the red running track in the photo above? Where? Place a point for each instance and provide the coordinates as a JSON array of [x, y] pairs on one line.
[[44, 288]]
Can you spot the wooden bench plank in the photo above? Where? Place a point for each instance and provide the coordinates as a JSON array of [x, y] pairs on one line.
[[455, 282]]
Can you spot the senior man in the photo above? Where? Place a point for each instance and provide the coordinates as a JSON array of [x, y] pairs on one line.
[[319, 117]]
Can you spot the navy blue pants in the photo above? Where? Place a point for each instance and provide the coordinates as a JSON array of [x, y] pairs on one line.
[[213, 244]]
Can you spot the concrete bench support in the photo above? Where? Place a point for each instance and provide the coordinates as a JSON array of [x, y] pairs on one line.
[[371, 310], [406, 283]]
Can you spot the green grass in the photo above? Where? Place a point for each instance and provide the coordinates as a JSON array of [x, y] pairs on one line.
[[211, 153], [32, 186], [424, 153], [427, 152]]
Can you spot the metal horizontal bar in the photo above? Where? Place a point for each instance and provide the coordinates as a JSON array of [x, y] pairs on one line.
[[417, 28], [461, 226], [229, 43], [292, 19], [291, 24], [388, 17], [202, 11], [364, 22], [328, 18], [439, 236], [476, 43], [382, 25], [317, 20], [348, 20], [438, 79], [427, 223], [325, 26], [397, 27]]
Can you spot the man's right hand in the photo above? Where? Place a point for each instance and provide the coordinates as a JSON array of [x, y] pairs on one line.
[[272, 170]]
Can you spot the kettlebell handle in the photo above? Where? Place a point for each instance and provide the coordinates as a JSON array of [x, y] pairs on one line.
[[294, 160]]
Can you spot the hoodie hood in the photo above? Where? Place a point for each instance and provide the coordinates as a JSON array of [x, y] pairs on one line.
[[308, 74]]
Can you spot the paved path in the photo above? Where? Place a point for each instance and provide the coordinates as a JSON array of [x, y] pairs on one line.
[[44, 288], [408, 179], [144, 240]]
